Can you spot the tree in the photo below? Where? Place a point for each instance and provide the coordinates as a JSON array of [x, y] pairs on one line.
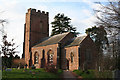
[[99, 35], [61, 24], [109, 16], [7, 48], [8, 51]]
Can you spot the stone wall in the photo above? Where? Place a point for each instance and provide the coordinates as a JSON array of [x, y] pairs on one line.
[[46, 49]]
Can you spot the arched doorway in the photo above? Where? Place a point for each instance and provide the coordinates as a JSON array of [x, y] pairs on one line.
[[43, 59], [50, 57], [67, 64]]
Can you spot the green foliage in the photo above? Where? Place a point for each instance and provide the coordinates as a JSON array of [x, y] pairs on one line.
[[61, 24], [60, 71]]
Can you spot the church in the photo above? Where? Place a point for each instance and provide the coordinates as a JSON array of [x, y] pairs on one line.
[[63, 50]]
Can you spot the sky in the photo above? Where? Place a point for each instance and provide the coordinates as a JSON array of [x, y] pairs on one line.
[[80, 12]]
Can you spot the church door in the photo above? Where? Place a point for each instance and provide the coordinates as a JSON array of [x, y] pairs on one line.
[[67, 64]]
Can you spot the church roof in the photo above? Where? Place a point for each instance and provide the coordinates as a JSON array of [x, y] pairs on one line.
[[76, 41], [51, 40]]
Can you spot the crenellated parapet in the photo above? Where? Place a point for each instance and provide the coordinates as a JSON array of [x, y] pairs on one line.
[[37, 12]]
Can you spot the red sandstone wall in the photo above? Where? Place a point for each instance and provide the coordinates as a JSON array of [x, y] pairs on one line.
[[75, 64], [46, 49], [27, 36], [88, 44]]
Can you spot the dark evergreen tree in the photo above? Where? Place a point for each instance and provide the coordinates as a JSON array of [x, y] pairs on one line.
[[61, 24]]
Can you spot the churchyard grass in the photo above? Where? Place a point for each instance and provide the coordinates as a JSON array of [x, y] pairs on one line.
[[94, 74], [29, 73]]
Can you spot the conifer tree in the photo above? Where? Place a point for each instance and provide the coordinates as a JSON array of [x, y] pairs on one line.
[[62, 24]]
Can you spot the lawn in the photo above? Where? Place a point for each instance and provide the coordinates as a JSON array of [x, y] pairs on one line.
[[94, 74], [29, 73]]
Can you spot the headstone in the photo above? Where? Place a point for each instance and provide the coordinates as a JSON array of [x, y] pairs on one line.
[[99, 68], [19, 67]]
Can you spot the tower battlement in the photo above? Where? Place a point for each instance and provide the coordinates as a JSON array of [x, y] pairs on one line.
[[37, 12]]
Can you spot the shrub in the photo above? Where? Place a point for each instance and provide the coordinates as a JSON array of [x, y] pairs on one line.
[[51, 68], [32, 67]]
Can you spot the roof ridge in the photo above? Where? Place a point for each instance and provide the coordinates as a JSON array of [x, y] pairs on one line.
[[64, 36], [83, 38]]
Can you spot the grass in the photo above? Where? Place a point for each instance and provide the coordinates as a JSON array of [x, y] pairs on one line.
[[94, 74], [85, 74], [30, 73]]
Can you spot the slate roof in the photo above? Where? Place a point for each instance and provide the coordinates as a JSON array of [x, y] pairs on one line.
[[75, 41], [51, 40]]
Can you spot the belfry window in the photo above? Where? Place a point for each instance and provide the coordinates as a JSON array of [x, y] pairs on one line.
[[36, 58]]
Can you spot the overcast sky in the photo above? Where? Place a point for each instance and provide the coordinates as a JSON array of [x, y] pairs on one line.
[[80, 11]]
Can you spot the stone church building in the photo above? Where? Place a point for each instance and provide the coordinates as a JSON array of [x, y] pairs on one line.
[[63, 50]]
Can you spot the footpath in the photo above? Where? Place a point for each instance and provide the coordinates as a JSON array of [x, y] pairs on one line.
[[69, 75]]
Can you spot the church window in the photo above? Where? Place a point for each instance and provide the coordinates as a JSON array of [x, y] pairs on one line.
[[50, 57], [36, 58]]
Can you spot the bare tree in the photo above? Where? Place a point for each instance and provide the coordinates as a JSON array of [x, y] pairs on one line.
[[109, 16]]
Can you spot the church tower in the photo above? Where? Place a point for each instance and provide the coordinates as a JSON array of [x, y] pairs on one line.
[[36, 27]]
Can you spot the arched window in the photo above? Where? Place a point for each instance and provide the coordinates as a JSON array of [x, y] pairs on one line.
[[71, 55], [50, 57], [36, 58]]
